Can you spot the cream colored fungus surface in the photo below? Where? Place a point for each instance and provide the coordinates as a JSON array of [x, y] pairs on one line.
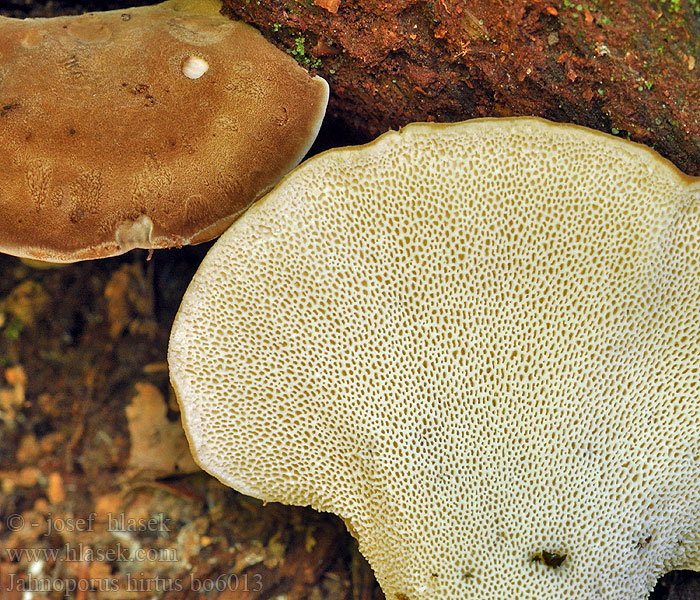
[[477, 344]]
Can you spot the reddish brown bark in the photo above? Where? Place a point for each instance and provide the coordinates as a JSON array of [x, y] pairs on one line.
[[623, 67]]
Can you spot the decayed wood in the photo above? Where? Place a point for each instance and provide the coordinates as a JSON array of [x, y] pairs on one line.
[[628, 68]]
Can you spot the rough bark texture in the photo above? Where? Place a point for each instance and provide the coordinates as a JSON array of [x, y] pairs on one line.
[[628, 68]]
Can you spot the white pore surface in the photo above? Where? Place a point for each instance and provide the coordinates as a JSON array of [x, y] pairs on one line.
[[477, 344]]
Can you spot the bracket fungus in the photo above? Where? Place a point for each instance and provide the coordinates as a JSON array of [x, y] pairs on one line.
[[147, 127], [478, 344]]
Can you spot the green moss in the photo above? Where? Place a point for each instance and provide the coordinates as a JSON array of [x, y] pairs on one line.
[[299, 53], [673, 6], [13, 329]]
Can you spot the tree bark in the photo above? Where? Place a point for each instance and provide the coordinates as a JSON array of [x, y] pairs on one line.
[[627, 68]]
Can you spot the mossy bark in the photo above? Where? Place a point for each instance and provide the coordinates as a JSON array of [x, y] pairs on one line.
[[628, 68]]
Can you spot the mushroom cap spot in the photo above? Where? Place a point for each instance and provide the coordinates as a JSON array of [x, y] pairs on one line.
[[99, 128], [194, 67], [135, 234], [478, 344], [89, 30], [32, 38]]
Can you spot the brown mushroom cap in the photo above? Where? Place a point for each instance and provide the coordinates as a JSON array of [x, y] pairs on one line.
[[148, 127], [479, 344]]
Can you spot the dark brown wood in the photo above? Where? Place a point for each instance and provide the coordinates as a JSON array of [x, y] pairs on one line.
[[628, 68]]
